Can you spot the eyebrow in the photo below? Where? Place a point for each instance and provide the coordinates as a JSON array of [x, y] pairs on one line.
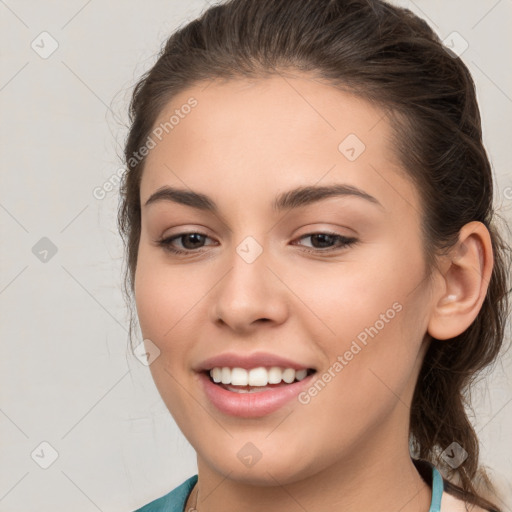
[[295, 198]]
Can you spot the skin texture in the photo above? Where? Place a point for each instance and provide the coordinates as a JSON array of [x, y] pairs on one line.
[[242, 145]]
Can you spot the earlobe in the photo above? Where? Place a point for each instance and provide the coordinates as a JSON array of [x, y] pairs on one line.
[[463, 283]]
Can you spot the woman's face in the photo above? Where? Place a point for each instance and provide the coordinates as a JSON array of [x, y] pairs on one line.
[[333, 283]]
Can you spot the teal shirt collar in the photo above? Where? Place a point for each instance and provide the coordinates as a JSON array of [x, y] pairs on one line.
[[437, 491]]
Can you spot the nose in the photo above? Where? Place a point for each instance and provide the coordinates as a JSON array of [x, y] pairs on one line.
[[250, 293]]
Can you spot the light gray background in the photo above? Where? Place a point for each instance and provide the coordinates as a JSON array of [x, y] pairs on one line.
[[66, 376]]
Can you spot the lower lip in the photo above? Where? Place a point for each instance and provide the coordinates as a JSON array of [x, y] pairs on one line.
[[251, 405]]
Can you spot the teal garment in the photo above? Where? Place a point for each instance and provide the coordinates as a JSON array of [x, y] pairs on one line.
[[175, 500], [437, 491]]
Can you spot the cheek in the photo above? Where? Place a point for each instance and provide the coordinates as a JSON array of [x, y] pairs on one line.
[[370, 321], [163, 300], [165, 296], [380, 318], [370, 374], [357, 298]]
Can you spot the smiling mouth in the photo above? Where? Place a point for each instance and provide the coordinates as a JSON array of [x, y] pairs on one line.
[[256, 380]]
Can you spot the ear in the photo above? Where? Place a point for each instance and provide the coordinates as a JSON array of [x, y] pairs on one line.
[[462, 284]]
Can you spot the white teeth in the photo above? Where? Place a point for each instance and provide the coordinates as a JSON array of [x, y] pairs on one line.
[[216, 374], [258, 377], [289, 375], [301, 374], [225, 376], [239, 377], [275, 374]]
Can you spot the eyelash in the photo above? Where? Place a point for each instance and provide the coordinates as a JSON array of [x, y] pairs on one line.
[[344, 242]]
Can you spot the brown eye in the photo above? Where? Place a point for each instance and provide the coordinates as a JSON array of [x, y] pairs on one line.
[[190, 242], [323, 241]]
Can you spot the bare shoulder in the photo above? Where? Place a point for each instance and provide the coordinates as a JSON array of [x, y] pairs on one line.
[[450, 503]]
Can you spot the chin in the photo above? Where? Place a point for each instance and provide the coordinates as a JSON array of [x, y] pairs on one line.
[[273, 468]]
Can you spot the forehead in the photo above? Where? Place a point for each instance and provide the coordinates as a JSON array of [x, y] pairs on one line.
[[276, 131]]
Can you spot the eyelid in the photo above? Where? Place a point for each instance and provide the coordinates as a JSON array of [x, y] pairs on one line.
[[166, 240], [346, 241]]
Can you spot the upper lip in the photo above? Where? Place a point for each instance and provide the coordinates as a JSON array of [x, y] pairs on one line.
[[248, 361]]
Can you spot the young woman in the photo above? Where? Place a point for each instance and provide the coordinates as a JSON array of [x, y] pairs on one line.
[[312, 251]]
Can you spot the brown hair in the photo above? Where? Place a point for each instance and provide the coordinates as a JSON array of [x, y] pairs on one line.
[[391, 57]]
